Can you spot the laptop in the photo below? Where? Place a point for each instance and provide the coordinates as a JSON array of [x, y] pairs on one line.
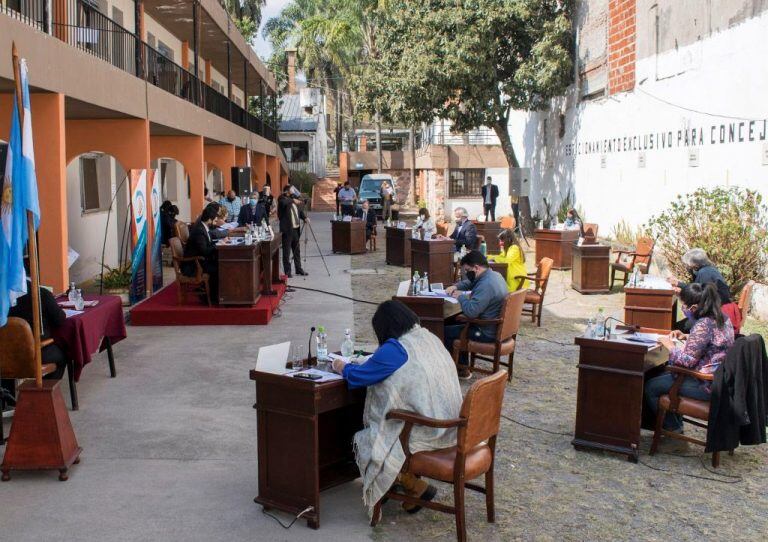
[[273, 358]]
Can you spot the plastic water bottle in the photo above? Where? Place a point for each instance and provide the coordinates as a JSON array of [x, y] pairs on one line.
[[322, 344], [348, 346], [590, 331], [416, 283], [424, 283], [71, 294], [79, 301], [600, 323]]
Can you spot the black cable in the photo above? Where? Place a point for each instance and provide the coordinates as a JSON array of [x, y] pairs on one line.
[[295, 519], [334, 294], [535, 428]]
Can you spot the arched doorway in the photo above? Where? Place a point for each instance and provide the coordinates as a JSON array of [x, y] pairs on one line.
[[214, 181], [174, 185]]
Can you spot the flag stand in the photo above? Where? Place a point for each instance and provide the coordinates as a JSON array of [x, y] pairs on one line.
[[41, 436]]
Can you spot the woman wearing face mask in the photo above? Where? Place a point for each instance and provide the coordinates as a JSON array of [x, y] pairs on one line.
[[426, 223], [704, 349], [252, 213], [513, 255]]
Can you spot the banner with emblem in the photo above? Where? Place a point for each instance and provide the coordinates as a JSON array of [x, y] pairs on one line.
[[157, 249], [138, 234]]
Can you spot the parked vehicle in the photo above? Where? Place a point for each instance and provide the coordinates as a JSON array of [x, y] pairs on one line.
[[370, 189]]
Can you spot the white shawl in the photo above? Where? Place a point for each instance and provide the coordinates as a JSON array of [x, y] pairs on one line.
[[426, 384]]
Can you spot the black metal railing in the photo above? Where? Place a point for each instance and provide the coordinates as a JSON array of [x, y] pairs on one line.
[[31, 12], [164, 73]]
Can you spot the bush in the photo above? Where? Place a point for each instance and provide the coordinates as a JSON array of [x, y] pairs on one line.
[[117, 278], [625, 235], [729, 223], [303, 180]]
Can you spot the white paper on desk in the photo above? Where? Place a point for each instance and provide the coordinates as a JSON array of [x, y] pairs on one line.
[[229, 226], [69, 312], [403, 288], [324, 375]]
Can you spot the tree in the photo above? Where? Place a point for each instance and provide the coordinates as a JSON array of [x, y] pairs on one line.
[[472, 62], [247, 15]]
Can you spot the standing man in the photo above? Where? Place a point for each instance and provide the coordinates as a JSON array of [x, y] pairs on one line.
[[347, 197], [232, 205], [336, 194], [290, 216], [465, 232], [490, 193]]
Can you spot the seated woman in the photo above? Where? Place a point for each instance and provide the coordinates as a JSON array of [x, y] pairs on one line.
[[426, 223], [704, 349], [703, 272], [168, 214], [411, 370], [572, 220], [512, 254]]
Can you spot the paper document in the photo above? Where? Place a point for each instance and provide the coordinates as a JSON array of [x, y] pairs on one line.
[[70, 313], [71, 305], [324, 375], [229, 226]]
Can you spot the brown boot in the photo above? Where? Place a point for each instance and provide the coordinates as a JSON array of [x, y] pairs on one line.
[[415, 487]]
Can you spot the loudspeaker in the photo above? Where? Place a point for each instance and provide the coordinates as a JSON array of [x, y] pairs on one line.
[[241, 180]]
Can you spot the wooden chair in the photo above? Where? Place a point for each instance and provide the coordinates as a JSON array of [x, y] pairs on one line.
[[641, 257], [684, 406], [181, 230], [508, 223], [442, 228], [535, 296], [745, 299], [590, 233], [186, 283], [372, 240], [472, 457], [17, 356], [506, 337]]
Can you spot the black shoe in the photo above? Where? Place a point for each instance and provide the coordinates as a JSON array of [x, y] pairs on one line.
[[302, 273], [289, 275], [428, 495]]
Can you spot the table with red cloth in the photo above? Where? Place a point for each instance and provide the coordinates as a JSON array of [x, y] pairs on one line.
[[83, 335]]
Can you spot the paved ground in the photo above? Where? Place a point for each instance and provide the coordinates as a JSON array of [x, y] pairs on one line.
[[169, 446]]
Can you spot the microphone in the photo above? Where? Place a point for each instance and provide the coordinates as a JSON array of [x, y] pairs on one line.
[[633, 327], [309, 346]]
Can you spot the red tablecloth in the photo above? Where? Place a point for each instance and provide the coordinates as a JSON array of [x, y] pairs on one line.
[[81, 336]]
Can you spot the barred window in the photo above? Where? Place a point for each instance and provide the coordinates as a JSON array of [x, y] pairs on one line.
[[465, 183]]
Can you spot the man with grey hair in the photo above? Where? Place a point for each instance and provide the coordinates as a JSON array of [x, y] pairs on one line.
[[465, 232]]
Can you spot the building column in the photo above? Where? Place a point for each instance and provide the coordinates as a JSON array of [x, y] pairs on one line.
[[343, 167], [273, 170], [260, 168], [223, 157], [622, 49], [189, 150], [50, 164], [185, 55]]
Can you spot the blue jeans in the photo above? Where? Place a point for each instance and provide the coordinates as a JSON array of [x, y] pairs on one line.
[[453, 332], [660, 385]]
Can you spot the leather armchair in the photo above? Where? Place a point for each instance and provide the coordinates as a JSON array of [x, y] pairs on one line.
[[186, 283], [535, 296]]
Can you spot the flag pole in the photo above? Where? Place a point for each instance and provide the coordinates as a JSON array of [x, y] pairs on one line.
[[32, 244]]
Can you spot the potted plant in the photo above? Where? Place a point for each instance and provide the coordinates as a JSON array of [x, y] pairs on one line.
[[117, 280]]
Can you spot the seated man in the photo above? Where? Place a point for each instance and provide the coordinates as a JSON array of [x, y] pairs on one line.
[[253, 213], [232, 204], [200, 243], [368, 216], [465, 232], [488, 290], [411, 371]]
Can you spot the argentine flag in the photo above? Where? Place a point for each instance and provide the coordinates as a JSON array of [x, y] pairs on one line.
[[19, 195]]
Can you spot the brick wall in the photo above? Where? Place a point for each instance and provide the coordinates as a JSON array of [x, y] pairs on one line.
[[622, 49]]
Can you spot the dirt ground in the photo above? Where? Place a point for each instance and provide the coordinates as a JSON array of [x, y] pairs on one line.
[[546, 490]]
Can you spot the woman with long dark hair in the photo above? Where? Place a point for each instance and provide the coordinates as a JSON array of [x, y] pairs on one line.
[[704, 349], [513, 255]]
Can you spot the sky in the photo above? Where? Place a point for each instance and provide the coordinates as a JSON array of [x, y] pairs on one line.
[[272, 9]]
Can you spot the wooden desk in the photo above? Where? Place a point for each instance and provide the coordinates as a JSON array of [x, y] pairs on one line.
[[591, 264], [304, 437], [556, 244], [399, 246], [433, 312], [609, 400], [348, 237], [270, 263], [239, 270], [434, 257], [650, 308], [489, 230]]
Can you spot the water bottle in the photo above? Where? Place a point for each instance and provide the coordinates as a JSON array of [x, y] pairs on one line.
[[415, 284], [322, 344], [590, 331], [71, 294], [483, 248], [348, 346], [79, 301], [424, 283], [600, 323]]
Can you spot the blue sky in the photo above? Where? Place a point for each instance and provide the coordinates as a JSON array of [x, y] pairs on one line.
[[272, 9]]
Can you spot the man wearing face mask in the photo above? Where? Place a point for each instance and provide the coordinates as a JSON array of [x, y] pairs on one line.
[[253, 213], [232, 204], [481, 296], [465, 233]]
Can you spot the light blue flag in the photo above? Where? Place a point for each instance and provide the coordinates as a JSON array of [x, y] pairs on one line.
[[19, 196]]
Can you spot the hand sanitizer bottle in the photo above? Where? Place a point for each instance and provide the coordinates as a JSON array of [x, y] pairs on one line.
[[348, 346]]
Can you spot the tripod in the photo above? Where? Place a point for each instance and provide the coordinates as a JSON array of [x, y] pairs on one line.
[[319, 250], [518, 226]]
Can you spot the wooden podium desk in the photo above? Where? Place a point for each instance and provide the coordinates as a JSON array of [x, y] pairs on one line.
[[433, 312], [434, 257], [591, 265], [304, 437], [609, 400], [239, 270], [348, 237], [270, 263], [556, 244], [654, 308], [399, 246], [489, 230]]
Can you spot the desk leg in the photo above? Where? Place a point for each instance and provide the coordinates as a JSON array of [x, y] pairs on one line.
[[72, 385], [110, 357]]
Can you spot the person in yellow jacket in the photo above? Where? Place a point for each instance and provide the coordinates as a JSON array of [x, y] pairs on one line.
[[513, 255]]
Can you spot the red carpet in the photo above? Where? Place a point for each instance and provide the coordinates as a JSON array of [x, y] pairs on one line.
[[162, 310]]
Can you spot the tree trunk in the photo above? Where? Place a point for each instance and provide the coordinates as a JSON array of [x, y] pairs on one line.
[[412, 152], [502, 132], [378, 144]]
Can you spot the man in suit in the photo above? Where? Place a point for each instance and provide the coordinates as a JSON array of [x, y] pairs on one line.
[[253, 213], [290, 214], [465, 232], [200, 244], [368, 216], [490, 192]]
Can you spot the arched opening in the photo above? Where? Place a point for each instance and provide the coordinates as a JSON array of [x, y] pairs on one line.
[[214, 182], [98, 216], [174, 185]]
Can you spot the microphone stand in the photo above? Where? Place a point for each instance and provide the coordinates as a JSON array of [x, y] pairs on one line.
[[628, 326], [309, 346]]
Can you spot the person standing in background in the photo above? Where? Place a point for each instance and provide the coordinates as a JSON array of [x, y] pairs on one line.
[[490, 193], [336, 193], [387, 197], [347, 198], [291, 216]]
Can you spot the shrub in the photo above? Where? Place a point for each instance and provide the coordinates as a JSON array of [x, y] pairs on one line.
[[728, 222], [117, 278], [566, 204], [303, 180], [626, 235]]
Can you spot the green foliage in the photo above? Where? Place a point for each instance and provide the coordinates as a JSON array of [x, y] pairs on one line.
[[728, 223], [566, 204], [246, 14], [117, 278], [422, 203], [247, 27], [303, 181]]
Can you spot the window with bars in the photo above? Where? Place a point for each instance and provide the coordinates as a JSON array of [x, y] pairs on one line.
[[465, 183]]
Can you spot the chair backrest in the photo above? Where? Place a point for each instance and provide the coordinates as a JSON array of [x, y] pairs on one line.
[[590, 230], [441, 228], [482, 410], [17, 349], [511, 314], [479, 242], [508, 223], [182, 231], [745, 299], [644, 250], [542, 272], [177, 251]]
